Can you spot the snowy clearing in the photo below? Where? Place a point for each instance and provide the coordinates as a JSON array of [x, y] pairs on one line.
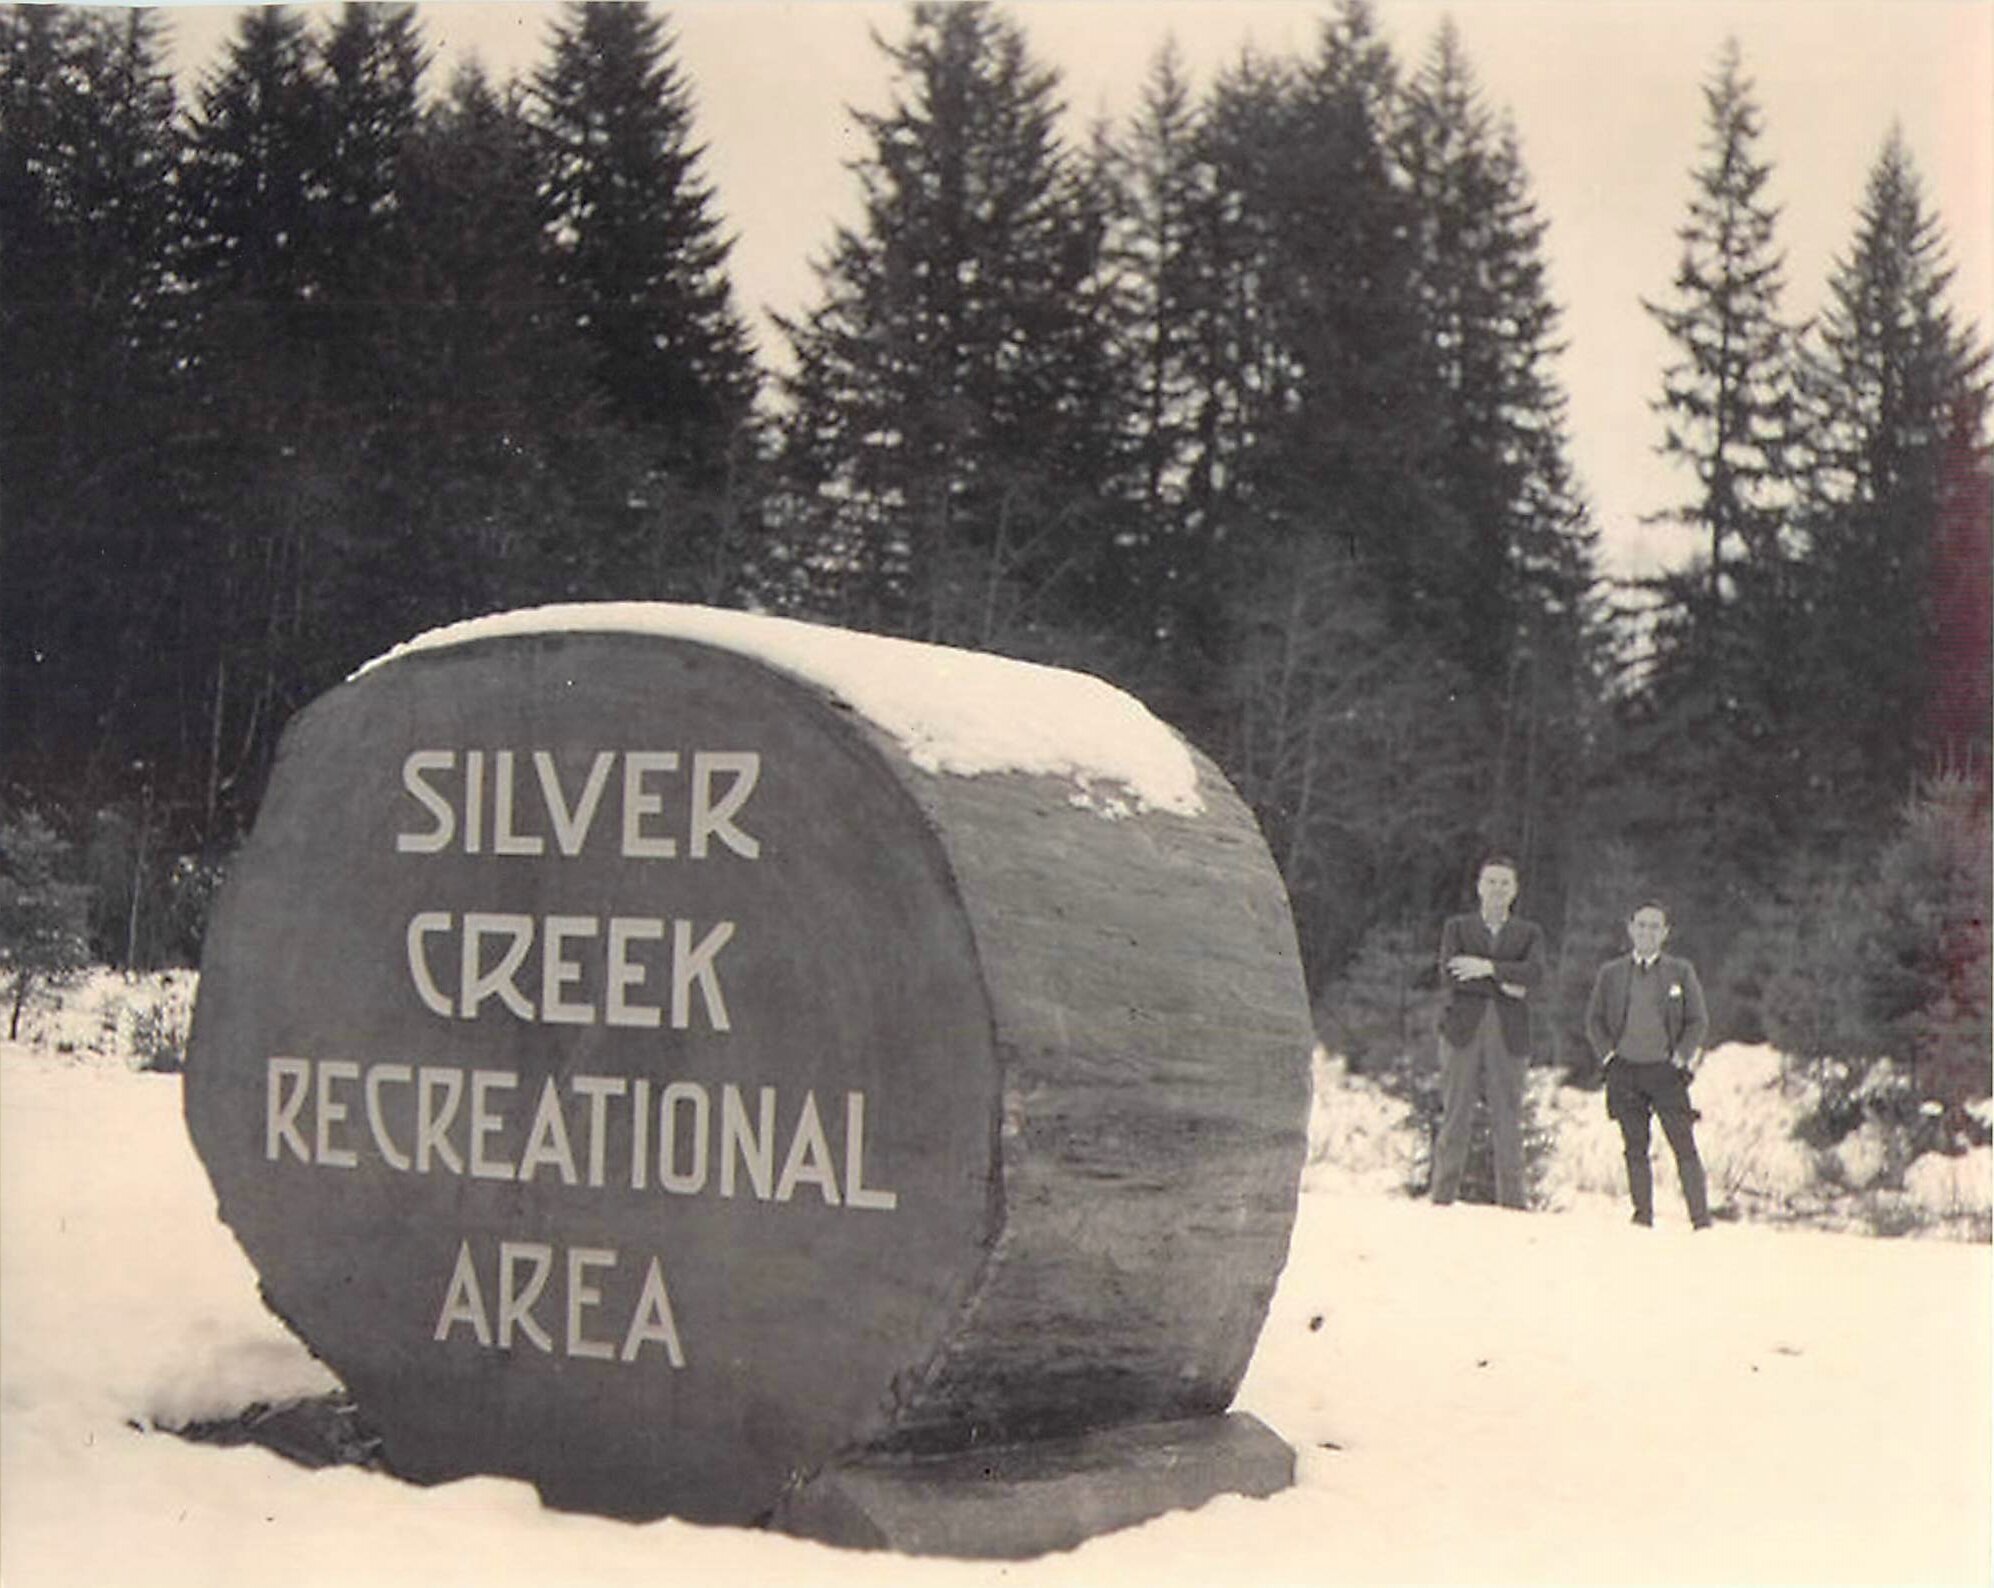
[[1476, 1396]]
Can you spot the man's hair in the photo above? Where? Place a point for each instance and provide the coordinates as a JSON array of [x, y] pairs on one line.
[[1507, 862], [1650, 904]]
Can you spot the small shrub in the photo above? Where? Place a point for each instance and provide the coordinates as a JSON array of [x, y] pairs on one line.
[[1893, 1215], [1866, 1156], [1957, 1188], [1385, 1007], [1417, 1085], [43, 916], [159, 1040], [1359, 1135], [1867, 1118]]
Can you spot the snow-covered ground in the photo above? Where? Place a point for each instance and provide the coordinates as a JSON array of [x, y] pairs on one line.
[[1755, 1111], [1476, 1396]]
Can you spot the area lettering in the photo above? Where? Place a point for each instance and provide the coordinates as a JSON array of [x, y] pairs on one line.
[[517, 1281]]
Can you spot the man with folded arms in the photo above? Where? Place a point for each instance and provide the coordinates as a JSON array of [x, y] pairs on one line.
[[1491, 961]]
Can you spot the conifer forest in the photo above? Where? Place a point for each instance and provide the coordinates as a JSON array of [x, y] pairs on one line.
[[1247, 403]]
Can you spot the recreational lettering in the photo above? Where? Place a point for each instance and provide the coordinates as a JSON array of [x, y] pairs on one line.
[[683, 1138]]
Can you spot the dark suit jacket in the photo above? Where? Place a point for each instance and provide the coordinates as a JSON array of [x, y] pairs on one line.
[[1684, 1016], [1518, 952]]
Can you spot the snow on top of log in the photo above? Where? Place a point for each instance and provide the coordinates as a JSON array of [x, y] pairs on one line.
[[956, 712]]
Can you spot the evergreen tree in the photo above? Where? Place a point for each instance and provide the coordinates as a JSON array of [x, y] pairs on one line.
[[638, 252], [44, 914], [256, 161], [373, 62], [1242, 369], [505, 371], [1728, 398], [1711, 751], [1154, 177], [951, 435], [373, 463], [1162, 306], [312, 455], [1896, 383], [1211, 324], [1348, 721], [1924, 967], [263, 465], [1490, 331], [1526, 573], [1959, 705], [1357, 455], [518, 475], [88, 216]]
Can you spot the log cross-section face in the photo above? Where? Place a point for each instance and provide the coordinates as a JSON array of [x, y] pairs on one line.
[[631, 1073]]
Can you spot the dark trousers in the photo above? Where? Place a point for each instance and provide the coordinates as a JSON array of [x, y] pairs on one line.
[[1634, 1094], [1483, 1063]]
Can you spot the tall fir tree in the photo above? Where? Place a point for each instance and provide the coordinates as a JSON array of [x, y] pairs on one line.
[[1959, 704], [311, 464], [639, 254], [1490, 332], [256, 160], [951, 435], [263, 462], [373, 455], [1526, 572], [1342, 547], [1359, 453], [519, 459], [1154, 179], [373, 62], [1898, 392], [1228, 289], [88, 350], [1715, 771], [1163, 300], [1727, 398]]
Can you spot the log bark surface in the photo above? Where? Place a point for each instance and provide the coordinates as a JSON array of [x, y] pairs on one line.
[[1079, 1037], [1151, 1031]]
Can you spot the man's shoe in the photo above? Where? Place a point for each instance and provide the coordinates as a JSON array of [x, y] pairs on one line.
[[1645, 1220]]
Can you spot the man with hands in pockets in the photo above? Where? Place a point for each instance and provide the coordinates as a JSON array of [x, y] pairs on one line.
[[1646, 1021]]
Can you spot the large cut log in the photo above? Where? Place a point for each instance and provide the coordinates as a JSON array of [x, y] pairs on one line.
[[658, 1053]]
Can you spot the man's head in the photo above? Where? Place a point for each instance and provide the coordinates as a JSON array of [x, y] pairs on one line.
[[1648, 928], [1496, 885]]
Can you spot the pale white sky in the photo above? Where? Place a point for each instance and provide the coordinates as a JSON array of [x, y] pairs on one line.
[[1606, 95]]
